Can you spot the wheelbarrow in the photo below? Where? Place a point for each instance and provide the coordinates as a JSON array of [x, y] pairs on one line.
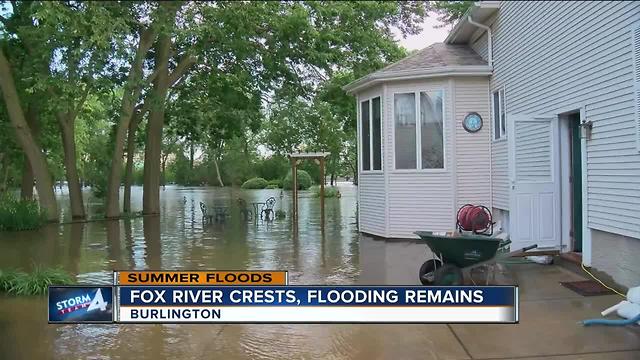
[[455, 252]]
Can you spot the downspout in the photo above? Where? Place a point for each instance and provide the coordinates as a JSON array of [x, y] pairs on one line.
[[489, 45]]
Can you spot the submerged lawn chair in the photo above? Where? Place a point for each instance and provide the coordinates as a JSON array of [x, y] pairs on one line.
[[246, 213], [205, 215], [267, 209]]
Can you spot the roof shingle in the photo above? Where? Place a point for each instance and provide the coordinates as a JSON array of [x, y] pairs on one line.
[[437, 55]]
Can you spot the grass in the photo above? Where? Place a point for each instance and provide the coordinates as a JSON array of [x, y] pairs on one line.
[[19, 283], [18, 215], [255, 183], [329, 192]]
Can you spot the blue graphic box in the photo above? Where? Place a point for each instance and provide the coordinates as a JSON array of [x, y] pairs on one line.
[[80, 304]]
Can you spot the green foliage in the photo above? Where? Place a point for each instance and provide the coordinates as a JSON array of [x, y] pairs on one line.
[[35, 283], [17, 214], [304, 180], [272, 186], [275, 182], [255, 183], [449, 12], [281, 214], [329, 191], [273, 168]]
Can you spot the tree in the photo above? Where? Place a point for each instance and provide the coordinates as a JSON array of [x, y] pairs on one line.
[[449, 12]]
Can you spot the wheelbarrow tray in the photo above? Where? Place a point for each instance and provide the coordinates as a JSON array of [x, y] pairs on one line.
[[462, 250]]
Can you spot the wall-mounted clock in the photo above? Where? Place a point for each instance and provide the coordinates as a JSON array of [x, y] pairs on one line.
[[472, 122]]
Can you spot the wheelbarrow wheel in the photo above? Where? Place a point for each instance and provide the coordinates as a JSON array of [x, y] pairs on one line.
[[427, 271], [448, 275]]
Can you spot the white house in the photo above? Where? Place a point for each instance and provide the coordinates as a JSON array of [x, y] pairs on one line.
[[557, 159]]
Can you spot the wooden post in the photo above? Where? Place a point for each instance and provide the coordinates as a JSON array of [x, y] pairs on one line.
[[322, 192], [294, 188]]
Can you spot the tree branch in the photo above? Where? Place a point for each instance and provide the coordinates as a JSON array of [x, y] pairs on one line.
[[183, 66]]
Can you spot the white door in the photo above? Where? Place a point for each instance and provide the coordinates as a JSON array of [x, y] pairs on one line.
[[534, 181]]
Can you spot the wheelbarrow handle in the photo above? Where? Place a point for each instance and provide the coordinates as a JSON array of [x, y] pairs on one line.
[[529, 247]]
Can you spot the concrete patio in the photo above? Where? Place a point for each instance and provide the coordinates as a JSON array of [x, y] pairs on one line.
[[548, 327]]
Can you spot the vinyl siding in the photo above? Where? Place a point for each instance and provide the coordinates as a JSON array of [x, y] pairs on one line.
[[479, 45], [371, 207], [472, 150], [554, 57], [419, 200], [372, 200]]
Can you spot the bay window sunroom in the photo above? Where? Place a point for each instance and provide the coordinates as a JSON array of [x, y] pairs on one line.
[[416, 161]]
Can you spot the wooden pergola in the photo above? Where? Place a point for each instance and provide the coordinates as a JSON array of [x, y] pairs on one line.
[[319, 158]]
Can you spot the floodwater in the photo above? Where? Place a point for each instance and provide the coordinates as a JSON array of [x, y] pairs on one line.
[[179, 240]]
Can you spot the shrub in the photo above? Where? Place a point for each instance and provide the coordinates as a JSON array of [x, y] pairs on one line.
[[35, 283], [280, 214], [255, 183], [272, 186], [304, 180], [329, 192], [16, 214], [276, 182]]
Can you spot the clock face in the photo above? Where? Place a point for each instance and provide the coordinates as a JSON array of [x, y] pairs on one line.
[[472, 122]]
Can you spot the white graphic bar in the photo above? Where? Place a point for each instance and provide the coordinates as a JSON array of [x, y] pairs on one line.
[[317, 314]]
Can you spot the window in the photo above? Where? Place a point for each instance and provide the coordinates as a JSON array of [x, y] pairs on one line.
[[376, 130], [366, 136], [422, 145], [371, 126], [404, 113], [499, 115], [431, 136]]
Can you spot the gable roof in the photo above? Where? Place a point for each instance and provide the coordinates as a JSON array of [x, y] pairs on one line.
[[438, 59]]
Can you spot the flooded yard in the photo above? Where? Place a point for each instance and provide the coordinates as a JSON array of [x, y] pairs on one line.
[[338, 255]]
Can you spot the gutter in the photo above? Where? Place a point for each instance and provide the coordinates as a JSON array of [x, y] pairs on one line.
[[465, 70], [489, 44]]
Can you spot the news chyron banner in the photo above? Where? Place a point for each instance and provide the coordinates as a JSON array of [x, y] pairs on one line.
[[170, 297]]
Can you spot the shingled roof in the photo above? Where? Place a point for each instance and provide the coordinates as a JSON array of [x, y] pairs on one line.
[[432, 59]]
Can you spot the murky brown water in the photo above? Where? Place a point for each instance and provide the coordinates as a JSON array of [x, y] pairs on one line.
[[179, 240]]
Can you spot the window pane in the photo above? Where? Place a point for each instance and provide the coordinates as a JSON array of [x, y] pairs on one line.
[[404, 113], [366, 135], [496, 115], [431, 135], [503, 114], [376, 131]]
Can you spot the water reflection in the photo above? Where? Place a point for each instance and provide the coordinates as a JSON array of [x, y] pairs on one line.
[[178, 239]]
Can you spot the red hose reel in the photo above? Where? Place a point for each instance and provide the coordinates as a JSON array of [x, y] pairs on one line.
[[475, 218]]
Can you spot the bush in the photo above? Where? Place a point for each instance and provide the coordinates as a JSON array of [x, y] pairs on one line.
[[255, 183], [272, 186], [16, 214], [280, 214], [329, 192], [275, 182], [304, 180], [35, 283]]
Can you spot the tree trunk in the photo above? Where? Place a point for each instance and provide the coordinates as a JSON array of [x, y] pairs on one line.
[[26, 186], [153, 146], [191, 155], [71, 166], [129, 98], [128, 174], [215, 163], [5, 178], [27, 142]]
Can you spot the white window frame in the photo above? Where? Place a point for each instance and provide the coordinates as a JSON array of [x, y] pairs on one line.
[[502, 95], [361, 153], [392, 120]]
